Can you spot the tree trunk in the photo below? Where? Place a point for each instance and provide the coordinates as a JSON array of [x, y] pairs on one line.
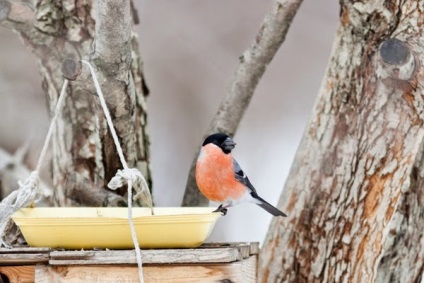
[[354, 194], [83, 154]]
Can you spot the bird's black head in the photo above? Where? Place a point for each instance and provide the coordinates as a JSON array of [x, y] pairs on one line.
[[222, 141]]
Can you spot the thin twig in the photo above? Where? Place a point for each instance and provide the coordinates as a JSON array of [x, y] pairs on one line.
[[252, 66]]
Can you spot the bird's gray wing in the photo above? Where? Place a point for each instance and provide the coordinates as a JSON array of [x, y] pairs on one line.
[[241, 177]]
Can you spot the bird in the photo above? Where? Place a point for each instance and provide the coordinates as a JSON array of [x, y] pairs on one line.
[[220, 178]]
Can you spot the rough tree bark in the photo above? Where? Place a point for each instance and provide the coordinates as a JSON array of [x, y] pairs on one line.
[[253, 63], [84, 156], [354, 194]]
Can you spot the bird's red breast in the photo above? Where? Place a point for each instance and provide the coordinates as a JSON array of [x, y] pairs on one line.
[[215, 175]]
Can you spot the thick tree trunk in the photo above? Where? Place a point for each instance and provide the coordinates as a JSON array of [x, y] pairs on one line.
[[355, 191], [84, 156]]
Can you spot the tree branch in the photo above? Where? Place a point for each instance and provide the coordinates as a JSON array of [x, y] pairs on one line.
[[252, 66], [93, 196], [16, 15]]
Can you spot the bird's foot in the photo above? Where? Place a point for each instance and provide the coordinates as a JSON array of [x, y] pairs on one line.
[[221, 209]]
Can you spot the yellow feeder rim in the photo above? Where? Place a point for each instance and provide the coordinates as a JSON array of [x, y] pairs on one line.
[[108, 227]]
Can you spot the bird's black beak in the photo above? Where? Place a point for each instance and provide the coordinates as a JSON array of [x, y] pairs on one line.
[[228, 144]]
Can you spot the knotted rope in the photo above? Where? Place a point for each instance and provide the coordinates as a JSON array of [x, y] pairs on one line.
[[131, 176], [139, 184], [28, 191]]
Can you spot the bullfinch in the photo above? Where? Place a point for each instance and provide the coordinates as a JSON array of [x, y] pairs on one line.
[[221, 179]]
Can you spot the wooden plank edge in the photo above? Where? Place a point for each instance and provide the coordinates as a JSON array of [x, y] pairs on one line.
[[171, 256], [253, 246], [23, 259], [14, 250], [239, 271]]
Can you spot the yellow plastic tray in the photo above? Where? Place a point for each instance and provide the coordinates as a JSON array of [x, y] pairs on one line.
[[107, 227]]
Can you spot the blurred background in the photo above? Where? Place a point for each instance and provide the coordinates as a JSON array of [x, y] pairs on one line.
[[190, 50]]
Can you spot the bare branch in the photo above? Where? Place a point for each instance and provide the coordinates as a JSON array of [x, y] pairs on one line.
[[252, 66], [134, 13], [16, 15], [91, 196]]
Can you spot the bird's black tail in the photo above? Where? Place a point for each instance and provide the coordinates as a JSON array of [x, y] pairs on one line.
[[268, 207]]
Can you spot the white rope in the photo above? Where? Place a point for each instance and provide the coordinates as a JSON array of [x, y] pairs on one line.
[[131, 176], [57, 112], [138, 182], [28, 191]]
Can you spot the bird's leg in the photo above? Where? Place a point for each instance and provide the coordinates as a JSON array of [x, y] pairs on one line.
[[223, 209], [218, 209]]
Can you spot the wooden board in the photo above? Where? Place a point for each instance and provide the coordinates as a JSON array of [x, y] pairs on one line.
[[240, 271], [251, 248], [148, 256], [18, 274], [212, 262], [211, 253], [23, 256], [23, 250]]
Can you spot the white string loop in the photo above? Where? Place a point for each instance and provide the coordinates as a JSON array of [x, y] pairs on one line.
[[28, 191], [131, 176], [29, 188]]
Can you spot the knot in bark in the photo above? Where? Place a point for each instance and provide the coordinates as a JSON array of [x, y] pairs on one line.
[[71, 69], [396, 60]]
